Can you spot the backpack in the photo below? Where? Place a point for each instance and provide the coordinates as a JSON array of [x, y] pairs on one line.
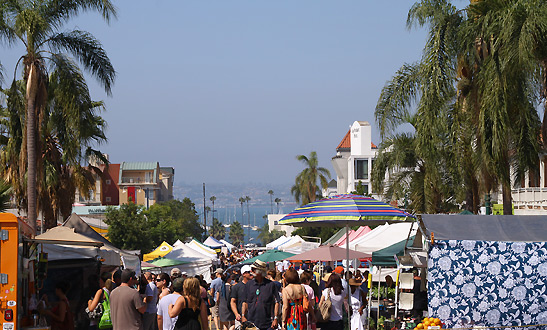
[[106, 321]]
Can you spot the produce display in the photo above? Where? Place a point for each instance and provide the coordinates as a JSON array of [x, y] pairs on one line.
[[428, 322]]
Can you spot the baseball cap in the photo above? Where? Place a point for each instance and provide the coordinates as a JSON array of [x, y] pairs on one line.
[[339, 269], [219, 271], [245, 268], [183, 273], [175, 272], [178, 284]]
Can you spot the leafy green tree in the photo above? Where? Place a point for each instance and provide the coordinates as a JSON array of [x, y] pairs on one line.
[[172, 220], [361, 189], [128, 228], [236, 235], [36, 24], [306, 188], [218, 230], [266, 236], [132, 227]]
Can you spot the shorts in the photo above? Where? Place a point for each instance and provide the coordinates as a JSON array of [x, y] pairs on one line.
[[214, 310]]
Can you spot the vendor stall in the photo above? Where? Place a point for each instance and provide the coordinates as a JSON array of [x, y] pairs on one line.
[[487, 270]]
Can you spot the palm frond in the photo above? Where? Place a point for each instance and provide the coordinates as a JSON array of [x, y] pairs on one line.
[[90, 53], [397, 97]]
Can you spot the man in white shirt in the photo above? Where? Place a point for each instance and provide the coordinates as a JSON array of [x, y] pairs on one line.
[[164, 321]]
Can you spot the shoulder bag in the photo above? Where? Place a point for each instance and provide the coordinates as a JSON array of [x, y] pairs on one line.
[[322, 314], [305, 300]]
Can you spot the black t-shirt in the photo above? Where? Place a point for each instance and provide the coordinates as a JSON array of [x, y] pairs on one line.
[[238, 292], [261, 298]]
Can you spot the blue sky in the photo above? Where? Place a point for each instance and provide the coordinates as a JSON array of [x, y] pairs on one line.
[[232, 91]]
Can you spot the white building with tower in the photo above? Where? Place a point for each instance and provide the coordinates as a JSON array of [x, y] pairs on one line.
[[355, 156]]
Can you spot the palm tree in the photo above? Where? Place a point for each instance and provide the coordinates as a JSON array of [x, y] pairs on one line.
[[36, 24], [306, 189], [247, 199], [213, 199], [271, 192], [506, 57], [218, 231], [241, 201], [67, 131], [473, 90], [236, 235], [277, 201]]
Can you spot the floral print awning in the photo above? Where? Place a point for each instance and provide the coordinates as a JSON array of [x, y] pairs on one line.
[[487, 283]]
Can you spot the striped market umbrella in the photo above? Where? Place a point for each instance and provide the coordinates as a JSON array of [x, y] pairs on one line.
[[345, 210]]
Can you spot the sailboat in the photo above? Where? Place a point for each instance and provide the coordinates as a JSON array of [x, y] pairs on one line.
[[255, 227]]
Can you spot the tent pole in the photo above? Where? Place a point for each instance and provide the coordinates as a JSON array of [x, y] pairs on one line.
[[347, 275], [397, 293], [369, 284], [378, 310]]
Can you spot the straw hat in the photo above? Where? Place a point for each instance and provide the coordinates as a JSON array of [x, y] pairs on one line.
[[326, 276], [354, 282], [259, 265]]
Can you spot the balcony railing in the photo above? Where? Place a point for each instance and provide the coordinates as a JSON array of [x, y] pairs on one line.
[[531, 198], [129, 180]]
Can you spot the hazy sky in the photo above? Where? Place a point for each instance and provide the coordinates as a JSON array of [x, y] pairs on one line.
[[231, 91]]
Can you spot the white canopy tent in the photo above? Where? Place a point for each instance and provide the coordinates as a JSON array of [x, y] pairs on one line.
[[213, 243], [198, 247], [277, 242], [298, 245], [383, 236], [228, 245], [192, 261]]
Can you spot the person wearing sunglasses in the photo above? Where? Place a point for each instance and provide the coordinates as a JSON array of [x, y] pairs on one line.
[[162, 283]]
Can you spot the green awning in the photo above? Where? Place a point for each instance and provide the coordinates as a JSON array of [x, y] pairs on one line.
[[165, 262], [384, 257], [270, 255], [334, 238]]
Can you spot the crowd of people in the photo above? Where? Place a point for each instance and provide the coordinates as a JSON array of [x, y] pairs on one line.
[[251, 297]]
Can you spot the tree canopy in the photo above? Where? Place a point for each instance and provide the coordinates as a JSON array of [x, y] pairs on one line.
[[472, 101], [166, 221]]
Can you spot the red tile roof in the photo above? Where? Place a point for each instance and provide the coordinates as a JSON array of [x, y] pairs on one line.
[[346, 142]]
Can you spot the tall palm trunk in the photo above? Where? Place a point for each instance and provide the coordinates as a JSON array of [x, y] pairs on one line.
[[507, 199], [32, 90]]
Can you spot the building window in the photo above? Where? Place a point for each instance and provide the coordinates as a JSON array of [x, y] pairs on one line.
[[108, 181], [149, 194], [361, 169], [108, 199]]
